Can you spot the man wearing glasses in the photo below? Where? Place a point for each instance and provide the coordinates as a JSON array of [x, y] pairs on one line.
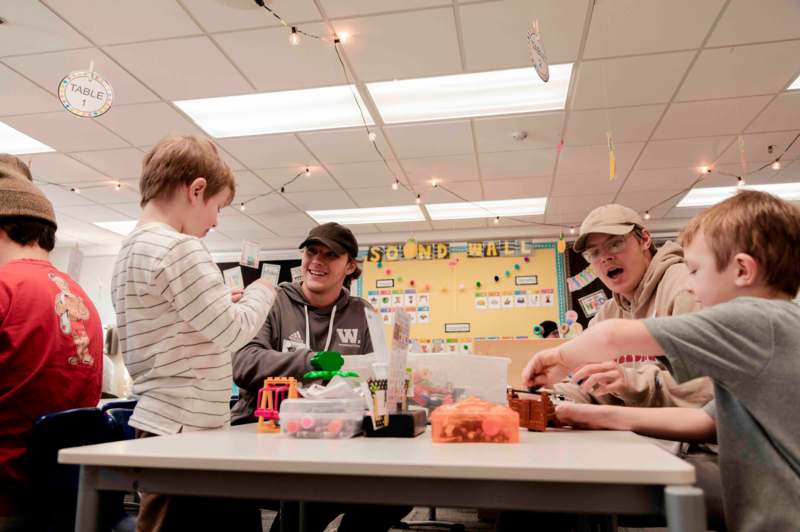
[[645, 283]]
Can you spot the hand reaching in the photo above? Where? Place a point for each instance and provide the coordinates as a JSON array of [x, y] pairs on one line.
[[546, 367], [601, 378], [236, 295]]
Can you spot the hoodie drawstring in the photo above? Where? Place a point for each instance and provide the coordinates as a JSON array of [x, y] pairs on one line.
[[330, 329]]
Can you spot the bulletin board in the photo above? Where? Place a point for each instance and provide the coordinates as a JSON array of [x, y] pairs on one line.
[[459, 299]]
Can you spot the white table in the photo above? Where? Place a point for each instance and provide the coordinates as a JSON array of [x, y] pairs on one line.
[[569, 471]]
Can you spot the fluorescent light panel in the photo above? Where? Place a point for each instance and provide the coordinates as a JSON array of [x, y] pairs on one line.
[[277, 112], [465, 95], [795, 85], [703, 197], [123, 227], [372, 215], [486, 209], [17, 143]]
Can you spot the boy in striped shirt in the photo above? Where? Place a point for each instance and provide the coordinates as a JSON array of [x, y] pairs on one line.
[[178, 323]]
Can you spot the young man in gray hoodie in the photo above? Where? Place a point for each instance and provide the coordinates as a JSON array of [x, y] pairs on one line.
[[317, 314]]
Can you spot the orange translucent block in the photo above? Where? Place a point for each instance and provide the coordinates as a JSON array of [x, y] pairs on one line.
[[474, 420]]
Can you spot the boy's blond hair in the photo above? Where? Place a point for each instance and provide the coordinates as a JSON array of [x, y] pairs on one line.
[[764, 226], [179, 160]]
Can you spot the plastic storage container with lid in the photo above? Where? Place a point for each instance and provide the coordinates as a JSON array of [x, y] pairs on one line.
[[473, 420], [321, 418]]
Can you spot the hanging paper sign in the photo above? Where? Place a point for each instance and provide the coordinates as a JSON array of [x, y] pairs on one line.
[[591, 304], [500, 248], [297, 274], [271, 272], [612, 157], [85, 94], [583, 279], [538, 57]]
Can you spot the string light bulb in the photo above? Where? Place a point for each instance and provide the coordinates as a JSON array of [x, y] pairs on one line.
[[308, 171], [572, 230], [242, 207], [435, 183], [646, 215], [76, 190], [496, 220], [776, 165], [294, 37], [118, 186], [740, 183], [419, 199], [372, 136], [396, 184], [705, 169], [343, 36]]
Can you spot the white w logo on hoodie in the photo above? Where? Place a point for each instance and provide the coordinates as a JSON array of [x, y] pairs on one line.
[[347, 336]]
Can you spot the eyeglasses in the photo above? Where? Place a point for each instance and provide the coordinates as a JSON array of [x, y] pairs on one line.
[[612, 246]]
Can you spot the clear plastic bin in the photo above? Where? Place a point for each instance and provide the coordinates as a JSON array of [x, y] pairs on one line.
[[473, 420], [321, 418]]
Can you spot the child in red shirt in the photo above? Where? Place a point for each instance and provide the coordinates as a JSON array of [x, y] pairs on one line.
[[51, 344]]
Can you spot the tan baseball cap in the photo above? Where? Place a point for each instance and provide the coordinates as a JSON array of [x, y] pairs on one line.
[[612, 219]]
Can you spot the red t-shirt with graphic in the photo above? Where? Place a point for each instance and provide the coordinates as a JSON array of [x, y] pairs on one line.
[[51, 355]]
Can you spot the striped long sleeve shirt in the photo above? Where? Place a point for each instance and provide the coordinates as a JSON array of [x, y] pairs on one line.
[[178, 327]]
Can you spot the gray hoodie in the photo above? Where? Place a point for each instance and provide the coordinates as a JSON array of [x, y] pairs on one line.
[[293, 333]]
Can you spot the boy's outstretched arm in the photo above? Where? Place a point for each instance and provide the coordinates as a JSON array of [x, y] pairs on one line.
[[670, 423], [605, 341]]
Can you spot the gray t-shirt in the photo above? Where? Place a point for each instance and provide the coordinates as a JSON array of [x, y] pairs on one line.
[[750, 347]]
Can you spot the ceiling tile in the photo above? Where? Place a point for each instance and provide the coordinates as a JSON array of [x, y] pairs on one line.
[[147, 123], [20, 96], [649, 200], [125, 163], [746, 21], [782, 113], [268, 204], [325, 200], [468, 190], [216, 16], [715, 117], [724, 175], [268, 151], [32, 28], [597, 182], [449, 225], [511, 164], [288, 225], [229, 159], [570, 210], [447, 168], [117, 22], [520, 221], [58, 168], [131, 210], [741, 71], [689, 153], [500, 189], [627, 124], [386, 47], [350, 8], [256, 232], [594, 159], [756, 149], [183, 67], [404, 227], [543, 130], [381, 196], [427, 140], [494, 32], [89, 214], [50, 68], [231, 219], [345, 146], [629, 80], [659, 180], [648, 26], [363, 175], [65, 132], [272, 64], [248, 184], [318, 180], [107, 194]]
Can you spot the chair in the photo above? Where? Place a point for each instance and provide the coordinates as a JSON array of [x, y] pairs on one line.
[[121, 417], [122, 403], [431, 522], [57, 484]]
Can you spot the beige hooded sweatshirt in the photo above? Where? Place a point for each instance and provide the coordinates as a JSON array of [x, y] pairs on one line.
[[663, 291]]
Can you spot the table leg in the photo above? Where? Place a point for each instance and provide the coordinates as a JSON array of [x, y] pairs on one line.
[[88, 501], [302, 516], [685, 509]]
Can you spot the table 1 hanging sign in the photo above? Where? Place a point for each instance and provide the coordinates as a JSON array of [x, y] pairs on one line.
[[85, 93]]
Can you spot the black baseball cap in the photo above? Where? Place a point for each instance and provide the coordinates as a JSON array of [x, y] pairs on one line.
[[337, 237]]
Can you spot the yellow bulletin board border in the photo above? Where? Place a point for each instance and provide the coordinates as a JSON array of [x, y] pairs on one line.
[[560, 291]]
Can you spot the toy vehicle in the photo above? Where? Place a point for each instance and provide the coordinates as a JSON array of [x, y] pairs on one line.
[[536, 412]]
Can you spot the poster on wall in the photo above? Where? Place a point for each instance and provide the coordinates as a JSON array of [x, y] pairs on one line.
[[591, 303]]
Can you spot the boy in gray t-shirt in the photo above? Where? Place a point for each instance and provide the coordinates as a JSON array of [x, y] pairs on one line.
[[743, 256]]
